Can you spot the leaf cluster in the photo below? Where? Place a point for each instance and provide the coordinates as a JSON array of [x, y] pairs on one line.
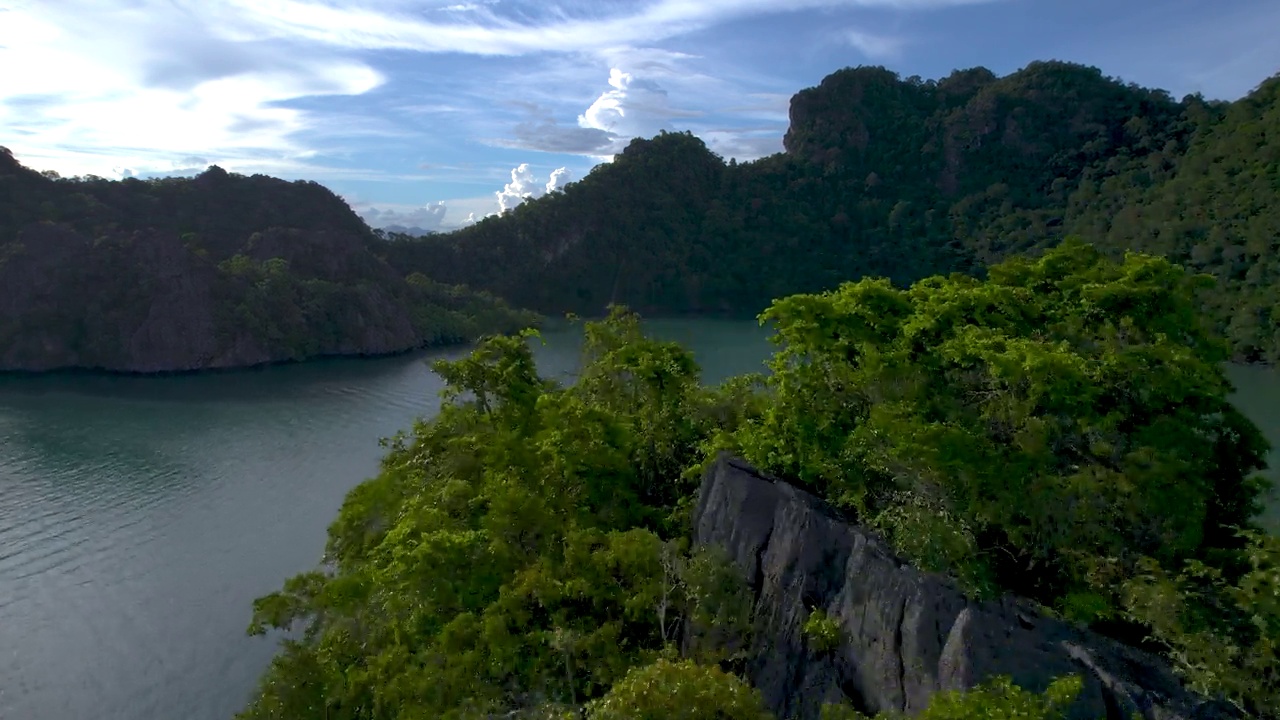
[[904, 178], [518, 551], [1058, 430], [1052, 431]]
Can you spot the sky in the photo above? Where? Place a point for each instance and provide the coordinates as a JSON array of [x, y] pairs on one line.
[[431, 113]]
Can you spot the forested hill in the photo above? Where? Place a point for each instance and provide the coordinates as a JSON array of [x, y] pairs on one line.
[[905, 178], [219, 270]]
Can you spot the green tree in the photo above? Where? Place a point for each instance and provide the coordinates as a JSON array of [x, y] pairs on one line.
[[1019, 429], [995, 699], [679, 690], [516, 552], [1055, 431]]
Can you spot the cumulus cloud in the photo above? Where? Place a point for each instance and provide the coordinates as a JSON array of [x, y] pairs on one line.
[[92, 86], [525, 185], [559, 178], [633, 107], [413, 220]]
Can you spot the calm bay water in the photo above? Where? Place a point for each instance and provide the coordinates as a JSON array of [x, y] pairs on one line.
[[140, 517], [1258, 396]]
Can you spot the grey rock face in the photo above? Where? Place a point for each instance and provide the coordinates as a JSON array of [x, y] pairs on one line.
[[142, 302], [907, 634]]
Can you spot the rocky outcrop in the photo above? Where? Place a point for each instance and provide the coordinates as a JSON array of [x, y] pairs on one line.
[[145, 303], [907, 634], [216, 271]]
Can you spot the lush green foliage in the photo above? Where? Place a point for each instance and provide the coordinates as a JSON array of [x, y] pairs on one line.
[[516, 551], [1054, 431], [903, 179], [682, 690], [1207, 199], [822, 632], [996, 699], [1222, 628], [1059, 429]]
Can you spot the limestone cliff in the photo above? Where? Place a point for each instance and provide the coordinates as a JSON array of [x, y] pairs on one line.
[[215, 271], [906, 634]]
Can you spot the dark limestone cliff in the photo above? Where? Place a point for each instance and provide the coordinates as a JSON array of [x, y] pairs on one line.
[[216, 271], [906, 634], [904, 178]]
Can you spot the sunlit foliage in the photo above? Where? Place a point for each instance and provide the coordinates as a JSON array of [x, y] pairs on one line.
[[1059, 430]]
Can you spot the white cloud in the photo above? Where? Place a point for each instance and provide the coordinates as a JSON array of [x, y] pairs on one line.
[[632, 108], [138, 85], [875, 47], [415, 220], [88, 88], [525, 185], [433, 217], [474, 208], [742, 144], [484, 32], [559, 178]]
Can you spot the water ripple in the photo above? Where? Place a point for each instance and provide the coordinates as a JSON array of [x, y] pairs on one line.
[[139, 518]]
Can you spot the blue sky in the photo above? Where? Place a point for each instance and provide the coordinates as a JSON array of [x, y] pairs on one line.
[[427, 112]]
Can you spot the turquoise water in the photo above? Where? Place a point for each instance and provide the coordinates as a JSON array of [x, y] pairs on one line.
[[140, 517]]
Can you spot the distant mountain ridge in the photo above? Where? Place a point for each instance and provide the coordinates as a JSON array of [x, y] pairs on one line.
[[880, 176], [214, 271], [904, 179]]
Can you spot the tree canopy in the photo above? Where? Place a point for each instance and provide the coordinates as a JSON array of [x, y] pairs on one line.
[[217, 270], [905, 178], [1059, 429]]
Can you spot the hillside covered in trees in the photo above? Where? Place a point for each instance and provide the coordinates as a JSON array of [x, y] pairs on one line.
[[214, 271], [904, 178], [1060, 430]]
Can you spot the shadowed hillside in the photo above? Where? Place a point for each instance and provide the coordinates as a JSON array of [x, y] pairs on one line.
[[214, 271], [903, 179]]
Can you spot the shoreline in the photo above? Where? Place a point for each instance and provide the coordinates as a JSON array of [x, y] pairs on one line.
[[550, 323], [80, 370]]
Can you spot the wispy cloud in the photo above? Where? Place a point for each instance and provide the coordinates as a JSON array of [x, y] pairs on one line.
[[87, 98], [548, 135], [363, 94], [421, 219], [99, 87], [875, 47], [743, 144], [481, 30]]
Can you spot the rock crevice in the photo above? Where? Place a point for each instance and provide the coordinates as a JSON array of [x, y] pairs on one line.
[[907, 634]]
